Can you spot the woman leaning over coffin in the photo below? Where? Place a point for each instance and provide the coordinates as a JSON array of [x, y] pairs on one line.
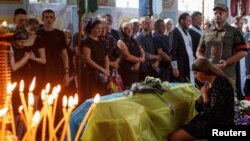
[[131, 55], [215, 106], [96, 59]]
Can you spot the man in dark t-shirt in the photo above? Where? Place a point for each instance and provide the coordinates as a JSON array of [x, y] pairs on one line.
[[56, 68]]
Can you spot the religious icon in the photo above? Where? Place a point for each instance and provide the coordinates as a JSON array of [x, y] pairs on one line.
[[214, 52]]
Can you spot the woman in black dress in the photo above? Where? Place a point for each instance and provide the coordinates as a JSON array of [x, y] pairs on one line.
[[132, 55], [96, 59], [215, 105]]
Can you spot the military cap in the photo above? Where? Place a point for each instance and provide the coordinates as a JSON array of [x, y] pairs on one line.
[[221, 7]]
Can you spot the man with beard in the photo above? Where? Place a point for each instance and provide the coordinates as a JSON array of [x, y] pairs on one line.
[[234, 47], [182, 52]]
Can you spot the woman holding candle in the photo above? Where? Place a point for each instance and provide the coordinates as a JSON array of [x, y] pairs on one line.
[[96, 59]]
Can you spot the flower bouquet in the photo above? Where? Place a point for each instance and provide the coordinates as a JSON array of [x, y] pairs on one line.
[[242, 113]]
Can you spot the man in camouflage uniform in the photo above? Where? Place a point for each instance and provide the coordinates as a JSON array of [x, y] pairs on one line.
[[234, 47]]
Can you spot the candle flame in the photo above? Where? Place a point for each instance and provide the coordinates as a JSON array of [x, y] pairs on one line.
[[36, 118], [21, 87], [76, 99], [50, 100], [97, 98], [10, 87], [43, 95], [3, 111], [65, 100], [71, 101], [4, 23], [20, 109], [54, 93], [47, 88], [58, 88], [31, 99], [32, 86]]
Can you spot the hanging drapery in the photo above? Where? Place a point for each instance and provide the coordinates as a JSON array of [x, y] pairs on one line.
[[239, 7], [145, 9], [88, 6], [248, 7]]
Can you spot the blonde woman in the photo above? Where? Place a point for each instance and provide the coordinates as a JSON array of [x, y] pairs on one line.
[[168, 26], [131, 55]]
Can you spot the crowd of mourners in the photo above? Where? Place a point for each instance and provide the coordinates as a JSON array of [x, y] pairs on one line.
[[84, 61]]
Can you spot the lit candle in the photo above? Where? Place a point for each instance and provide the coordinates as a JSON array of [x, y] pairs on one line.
[[55, 97], [31, 132], [9, 104], [2, 115], [72, 102], [22, 97], [30, 108], [30, 102], [35, 122], [68, 114], [3, 111], [10, 88], [51, 125], [65, 100], [4, 23], [47, 88], [44, 112], [79, 131], [76, 99], [20, 110]]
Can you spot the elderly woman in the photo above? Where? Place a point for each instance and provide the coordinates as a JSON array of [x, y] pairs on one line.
[[96, 60], [215, 106], [168, 26], [132, 55]]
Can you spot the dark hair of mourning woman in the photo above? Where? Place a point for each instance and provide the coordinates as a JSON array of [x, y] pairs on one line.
[[91, 24], [203, 65], [20, 34]]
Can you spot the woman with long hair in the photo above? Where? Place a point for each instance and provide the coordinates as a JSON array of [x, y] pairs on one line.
[[215, 106]]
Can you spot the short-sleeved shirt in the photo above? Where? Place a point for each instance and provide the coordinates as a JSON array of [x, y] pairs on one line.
[[98, 51], [54, 44], [232, 40]]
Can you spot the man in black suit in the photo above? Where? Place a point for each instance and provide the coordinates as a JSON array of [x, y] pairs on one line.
[[113, 32], [195, 29]]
